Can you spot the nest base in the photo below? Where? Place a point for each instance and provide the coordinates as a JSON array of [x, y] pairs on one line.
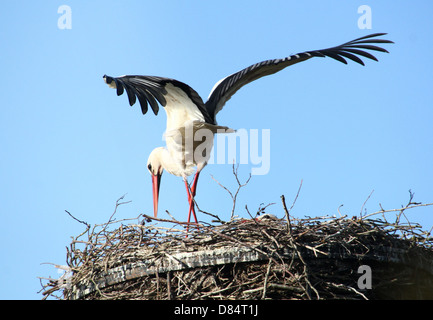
[[316, 258]]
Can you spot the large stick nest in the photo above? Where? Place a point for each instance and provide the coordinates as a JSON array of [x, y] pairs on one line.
[[260, 258]]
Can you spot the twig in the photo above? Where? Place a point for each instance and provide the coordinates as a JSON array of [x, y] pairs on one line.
[[397, 210], [117, 205], [208, 213], [360, 214], [338, 210], [289, 225], [166, 220], [287, 212], [169, 294], [240, 186], [80, 221], [169, 214], [265, 283]]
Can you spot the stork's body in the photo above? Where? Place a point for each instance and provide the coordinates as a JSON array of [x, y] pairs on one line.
[[191, 123]]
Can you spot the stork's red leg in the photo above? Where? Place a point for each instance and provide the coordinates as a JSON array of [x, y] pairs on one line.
[[191, 199], [191, 193], [188, 192], [194, 183]]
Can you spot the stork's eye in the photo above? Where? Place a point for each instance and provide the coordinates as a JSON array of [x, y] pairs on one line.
[[149, 167]]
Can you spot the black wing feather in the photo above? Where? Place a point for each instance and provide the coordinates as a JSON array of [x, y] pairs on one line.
[[151, 90], [368, 47], [361, 53], [351, 56], [335, 55], [131, 94], [148, 90], [350, 50]]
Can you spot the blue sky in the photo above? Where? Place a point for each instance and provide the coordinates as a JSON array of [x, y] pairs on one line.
[[69, 143]]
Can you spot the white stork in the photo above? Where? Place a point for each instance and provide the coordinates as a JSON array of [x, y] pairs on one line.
[[187, 112]]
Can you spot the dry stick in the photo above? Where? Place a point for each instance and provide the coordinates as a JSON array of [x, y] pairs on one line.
[[292, 241], [362, 208], [350, 288], [169, 285], [411, 195], [240, 185], [169, 214], [115, 210], [289, 225], [208, 213], [80, 221], [265, 283], [398, 210], [167, 220]]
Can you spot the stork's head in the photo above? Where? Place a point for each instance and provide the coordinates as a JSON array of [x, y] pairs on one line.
[[154, 165]]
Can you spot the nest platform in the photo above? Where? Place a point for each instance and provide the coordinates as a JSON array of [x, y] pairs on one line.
[[263, 258]]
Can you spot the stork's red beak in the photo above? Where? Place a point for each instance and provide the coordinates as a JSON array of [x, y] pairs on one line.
[[156, 181]]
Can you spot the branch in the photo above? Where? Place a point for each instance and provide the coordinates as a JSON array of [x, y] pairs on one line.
[[115, 210], [287, 212], [83, 222], [360, 214], [167, 220], [240, 185]]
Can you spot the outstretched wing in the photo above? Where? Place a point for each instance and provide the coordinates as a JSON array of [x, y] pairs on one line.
[[165, 91], [225, 88]]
